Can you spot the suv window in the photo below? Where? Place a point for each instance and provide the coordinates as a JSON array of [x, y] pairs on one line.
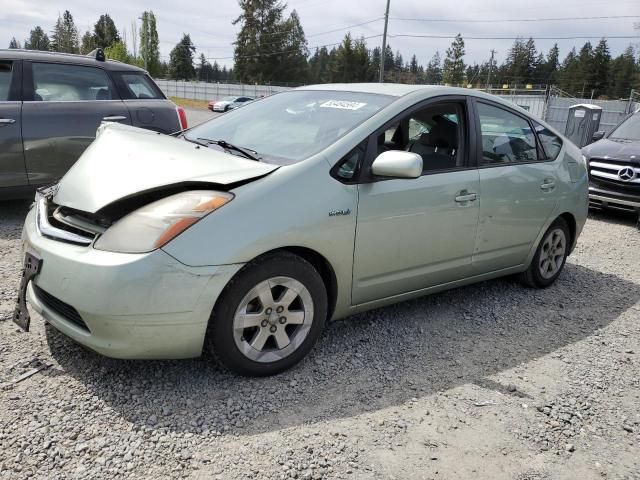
[[551, 143], [138, 86], [5, 80], [506, 137], [55, 82], [434, 132]]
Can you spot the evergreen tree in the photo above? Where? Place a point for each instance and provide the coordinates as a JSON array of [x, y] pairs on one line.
[[87, 44], [64, 37], [149, 44], [569, 74], [585, 65], [205, 71], [361, 61], [319, 66], [268, 46], [453, 68], [389, 61], [342, 68], [105, 33], [600, 67], [622, 72], [433, 73], [374, 65], [294, 66], [14, 43], [181, 59], [413, 65], [472, 74], [38, 40], [551, 66]]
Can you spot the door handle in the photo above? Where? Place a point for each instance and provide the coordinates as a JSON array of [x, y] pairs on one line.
[[114, 118], [6, 121], [466, 197], [547, 185]]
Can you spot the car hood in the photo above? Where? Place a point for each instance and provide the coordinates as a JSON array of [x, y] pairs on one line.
[[614, 149], [124, 161]]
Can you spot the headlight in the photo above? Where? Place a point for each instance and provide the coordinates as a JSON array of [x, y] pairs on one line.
[[154, 225], [584, 160]]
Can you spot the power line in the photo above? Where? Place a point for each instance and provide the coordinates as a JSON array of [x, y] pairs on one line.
[[506, 20], [577, 37], [293, 50]]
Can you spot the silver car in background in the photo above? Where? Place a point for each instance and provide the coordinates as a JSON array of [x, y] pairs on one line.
[[251, 231]]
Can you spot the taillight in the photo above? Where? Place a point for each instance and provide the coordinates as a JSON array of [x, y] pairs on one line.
[[182, 117]]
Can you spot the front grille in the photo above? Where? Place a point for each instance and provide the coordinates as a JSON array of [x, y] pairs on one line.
[[63, 309], [606, 172]]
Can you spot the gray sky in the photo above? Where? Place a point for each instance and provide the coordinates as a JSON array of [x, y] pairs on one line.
[[209, 23]]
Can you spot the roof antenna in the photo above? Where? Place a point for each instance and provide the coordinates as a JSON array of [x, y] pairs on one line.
[[98, 54]]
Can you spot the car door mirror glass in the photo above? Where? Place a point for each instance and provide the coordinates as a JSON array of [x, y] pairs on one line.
[[398, 164], [599, 135]]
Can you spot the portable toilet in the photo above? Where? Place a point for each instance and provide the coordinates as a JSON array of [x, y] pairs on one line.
[[583, 122]]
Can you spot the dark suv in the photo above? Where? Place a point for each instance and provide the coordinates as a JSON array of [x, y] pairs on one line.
[[614, 167], [51, 105]]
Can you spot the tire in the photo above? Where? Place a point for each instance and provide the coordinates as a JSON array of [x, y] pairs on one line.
[[274, 299], [550, 256]]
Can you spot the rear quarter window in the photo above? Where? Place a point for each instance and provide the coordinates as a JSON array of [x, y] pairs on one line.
[[138, 86], [551, 143]]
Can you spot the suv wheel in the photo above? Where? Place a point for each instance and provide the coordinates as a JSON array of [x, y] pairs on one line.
[[550, 256], [269, 316]]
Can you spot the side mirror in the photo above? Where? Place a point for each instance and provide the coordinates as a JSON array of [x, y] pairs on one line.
[[599, 135], [398, 164]]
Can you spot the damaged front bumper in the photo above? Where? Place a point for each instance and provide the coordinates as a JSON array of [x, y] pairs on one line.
[[130, 306]]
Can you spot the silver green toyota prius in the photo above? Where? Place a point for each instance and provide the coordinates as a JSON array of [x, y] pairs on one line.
[[246, 234]]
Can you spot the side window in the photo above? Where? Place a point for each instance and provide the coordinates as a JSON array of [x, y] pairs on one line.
[[5, 80], [506, 137], [551, 143], [435, 134], [347, 168], [137, 86], [70, 83]]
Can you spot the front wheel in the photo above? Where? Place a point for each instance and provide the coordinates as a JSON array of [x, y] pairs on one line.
[[269, 316], [550, 256]]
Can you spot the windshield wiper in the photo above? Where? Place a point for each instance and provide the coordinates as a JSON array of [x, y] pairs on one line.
[[250, 154]]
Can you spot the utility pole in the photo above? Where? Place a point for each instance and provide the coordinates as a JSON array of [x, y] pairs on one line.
[[490, 68], [384, 42]]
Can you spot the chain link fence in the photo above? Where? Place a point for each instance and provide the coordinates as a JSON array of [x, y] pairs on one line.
[[214, 91], [549, 104]]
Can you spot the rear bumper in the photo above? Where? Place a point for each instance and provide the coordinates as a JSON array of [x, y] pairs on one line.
[[605, 198], [133, 306]]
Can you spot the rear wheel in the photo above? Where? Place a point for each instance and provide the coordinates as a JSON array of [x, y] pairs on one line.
[[269, 316], [550, 256]]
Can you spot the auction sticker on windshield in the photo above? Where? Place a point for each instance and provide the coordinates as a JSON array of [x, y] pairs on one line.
[[343, 104]]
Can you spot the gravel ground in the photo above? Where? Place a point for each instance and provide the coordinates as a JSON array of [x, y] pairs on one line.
[[489, 381]]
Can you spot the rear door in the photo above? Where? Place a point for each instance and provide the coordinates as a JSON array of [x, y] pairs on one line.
[[64, 105], [518, 186], [147, 105], [12, 169]]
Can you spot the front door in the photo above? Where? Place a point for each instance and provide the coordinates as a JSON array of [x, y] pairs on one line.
[[66, 105], [12, 169], [518, 188], [416, 233]]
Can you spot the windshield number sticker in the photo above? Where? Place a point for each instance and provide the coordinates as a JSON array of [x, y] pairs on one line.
[[342, 104]]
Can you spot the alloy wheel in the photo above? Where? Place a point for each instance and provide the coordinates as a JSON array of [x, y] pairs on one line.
[[273, 319], [552, 253]]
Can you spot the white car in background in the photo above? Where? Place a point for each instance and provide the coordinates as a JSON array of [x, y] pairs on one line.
[[228, 103]]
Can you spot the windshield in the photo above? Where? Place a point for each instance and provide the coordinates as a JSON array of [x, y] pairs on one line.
[[291, 126], [628, 130]]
